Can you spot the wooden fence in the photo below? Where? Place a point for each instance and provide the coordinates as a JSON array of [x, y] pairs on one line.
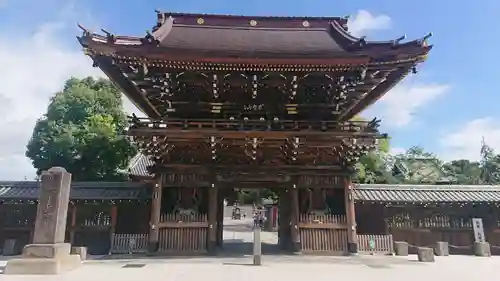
[[183, 233], [380, 244], [323, 233], [129, 243]]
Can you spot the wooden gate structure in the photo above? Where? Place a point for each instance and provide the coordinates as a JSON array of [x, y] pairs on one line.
[[425, 214], [252, 102]]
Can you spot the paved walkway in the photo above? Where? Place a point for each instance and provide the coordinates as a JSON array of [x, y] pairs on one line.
[[278, 268], [275, 267]]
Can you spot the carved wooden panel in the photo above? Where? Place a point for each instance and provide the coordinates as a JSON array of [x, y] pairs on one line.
[[185, 179], [252, 177], [319, 181]]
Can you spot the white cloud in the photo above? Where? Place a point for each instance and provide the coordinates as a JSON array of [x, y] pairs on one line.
[[35, 67], [364, 22], [399, 106], [465, 141]]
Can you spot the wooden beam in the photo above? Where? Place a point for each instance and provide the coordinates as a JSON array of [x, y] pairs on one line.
[[114, 73], [206, 133]]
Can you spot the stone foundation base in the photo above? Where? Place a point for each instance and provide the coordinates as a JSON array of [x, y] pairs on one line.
[[44, 259], [42, 266]]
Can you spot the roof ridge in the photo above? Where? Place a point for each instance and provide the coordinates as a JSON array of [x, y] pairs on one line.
[[229, 16]]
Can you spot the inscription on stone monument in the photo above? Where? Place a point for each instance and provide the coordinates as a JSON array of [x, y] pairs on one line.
[[52, 210]]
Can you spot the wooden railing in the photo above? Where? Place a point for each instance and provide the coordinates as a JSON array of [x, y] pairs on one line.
[[323, 233], [181, 233], [406, 221], [380, 244], [257, 124], [129, 243]]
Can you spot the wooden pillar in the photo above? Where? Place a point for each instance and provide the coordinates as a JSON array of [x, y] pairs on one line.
[[212, 219], [155, 216], [220, 217], [294, 218], [352, 238], [72, 227]]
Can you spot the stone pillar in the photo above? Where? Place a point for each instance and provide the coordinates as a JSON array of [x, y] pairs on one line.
[[352, 238], [48, 254], [155, 216], [212, 219]]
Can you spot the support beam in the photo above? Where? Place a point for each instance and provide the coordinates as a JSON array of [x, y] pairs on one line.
[[352, 238], [155, 215]]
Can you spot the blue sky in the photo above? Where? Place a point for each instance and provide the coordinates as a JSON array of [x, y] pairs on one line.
[[446, 108]]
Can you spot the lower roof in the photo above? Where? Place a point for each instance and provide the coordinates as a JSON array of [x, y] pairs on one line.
[[427, 193], [29, 190]]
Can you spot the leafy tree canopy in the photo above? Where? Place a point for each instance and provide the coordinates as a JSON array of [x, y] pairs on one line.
[[83, 131]]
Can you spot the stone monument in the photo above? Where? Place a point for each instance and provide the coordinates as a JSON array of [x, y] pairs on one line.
[[48, 254]]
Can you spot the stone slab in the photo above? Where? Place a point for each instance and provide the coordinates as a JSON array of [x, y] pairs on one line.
[[425, 254], [41, 266]]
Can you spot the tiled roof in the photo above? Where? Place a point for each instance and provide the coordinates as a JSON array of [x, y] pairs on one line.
[[426, 193], [79, 190], [139, 164]]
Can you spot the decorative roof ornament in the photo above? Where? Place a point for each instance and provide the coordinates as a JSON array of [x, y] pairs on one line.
[[110, 38], [396, 42], [362, 41], [423, 41], [149, 39], [85, 31], [345, 26], [161, 19]]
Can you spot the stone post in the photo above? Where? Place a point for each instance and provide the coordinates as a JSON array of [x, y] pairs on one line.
[[441, 249], [257, 244], [400, 248], [482, 249], [425, 254], [48, 254]]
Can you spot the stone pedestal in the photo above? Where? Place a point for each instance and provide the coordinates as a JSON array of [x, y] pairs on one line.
[[441, 249], [400, 248], [425, 254], [80, 251], [482, 249], [48, 254], [43, 259]]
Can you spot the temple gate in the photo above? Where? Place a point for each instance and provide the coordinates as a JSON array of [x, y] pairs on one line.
[[252, 102]]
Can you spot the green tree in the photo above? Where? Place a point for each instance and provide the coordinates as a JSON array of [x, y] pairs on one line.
[[490, 165], [464, 171], [83, 131]]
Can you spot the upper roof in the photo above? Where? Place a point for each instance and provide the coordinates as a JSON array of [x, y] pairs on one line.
[[29, 190], [225, 38]]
